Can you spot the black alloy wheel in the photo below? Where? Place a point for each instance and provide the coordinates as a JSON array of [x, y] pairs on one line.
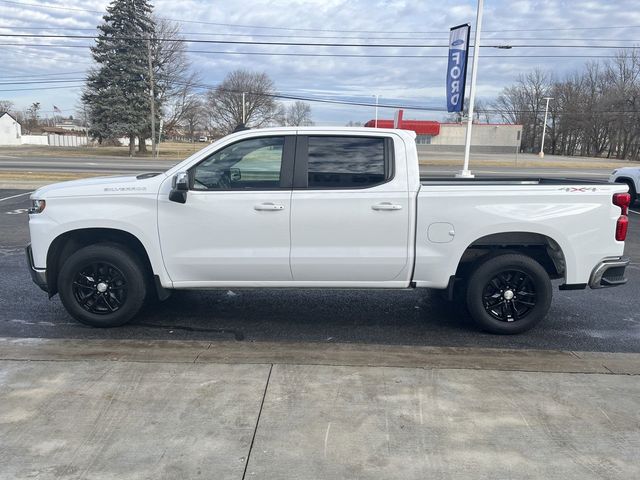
[[508, 293], [509, 296], [103, 285], [100, 288]]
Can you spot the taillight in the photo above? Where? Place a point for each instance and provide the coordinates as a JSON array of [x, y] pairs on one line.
[[622, 200], [621, 228]]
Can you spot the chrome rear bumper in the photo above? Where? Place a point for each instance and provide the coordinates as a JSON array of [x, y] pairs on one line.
[[609, 273]]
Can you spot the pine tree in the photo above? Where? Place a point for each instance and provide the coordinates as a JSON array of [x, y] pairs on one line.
[[117, 89]]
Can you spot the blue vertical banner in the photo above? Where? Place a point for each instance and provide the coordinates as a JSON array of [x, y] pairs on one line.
[[457, 66]]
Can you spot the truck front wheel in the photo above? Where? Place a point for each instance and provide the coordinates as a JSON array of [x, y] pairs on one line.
[[508, 294], [102, 285]]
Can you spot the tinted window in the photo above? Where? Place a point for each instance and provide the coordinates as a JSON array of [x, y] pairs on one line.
[[253, 163], [346, 162]]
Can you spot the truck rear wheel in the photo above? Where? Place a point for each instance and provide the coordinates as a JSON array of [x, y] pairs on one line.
[[102, 285], [508, 294], [632, 193]]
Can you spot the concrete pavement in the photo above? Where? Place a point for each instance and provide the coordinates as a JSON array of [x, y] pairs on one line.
[[106, 409]]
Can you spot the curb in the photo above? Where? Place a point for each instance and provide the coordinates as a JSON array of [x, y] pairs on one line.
[[173, 351]]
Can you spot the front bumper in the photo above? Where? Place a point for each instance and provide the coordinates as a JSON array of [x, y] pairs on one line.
[[38, 275], [609, 273]]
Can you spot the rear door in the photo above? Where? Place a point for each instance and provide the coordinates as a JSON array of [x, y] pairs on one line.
[[349, 211]]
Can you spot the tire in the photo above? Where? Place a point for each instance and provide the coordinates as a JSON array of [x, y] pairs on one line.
[[508, 294], [632, 190], [632, 193], [102, 285]]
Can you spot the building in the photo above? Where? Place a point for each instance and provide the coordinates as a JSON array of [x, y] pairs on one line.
[[434, 136], [68, 124], [10, 130]]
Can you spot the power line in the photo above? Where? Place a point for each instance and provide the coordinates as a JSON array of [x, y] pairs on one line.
[[54, 7], [336, 55], [307, 44], [39, 88], [233, 42], [29, 82], [286, 96], [316, 29], [383, 37], [40, 75]]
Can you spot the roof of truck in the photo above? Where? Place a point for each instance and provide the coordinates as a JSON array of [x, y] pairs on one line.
[[315, 129]]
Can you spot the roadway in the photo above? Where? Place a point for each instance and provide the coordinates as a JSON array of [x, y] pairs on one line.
[[123, 165], [95, 164], [589, 320]]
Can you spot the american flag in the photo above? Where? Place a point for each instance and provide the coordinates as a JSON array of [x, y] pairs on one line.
[[56, 110]]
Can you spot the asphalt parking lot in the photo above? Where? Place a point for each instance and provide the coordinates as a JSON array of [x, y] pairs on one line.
[[602, 320]]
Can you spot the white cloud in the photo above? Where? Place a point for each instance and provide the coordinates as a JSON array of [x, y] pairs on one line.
[[416, 80]]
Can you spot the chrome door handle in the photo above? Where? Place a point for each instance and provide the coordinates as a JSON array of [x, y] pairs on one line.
[[387, 206], [268, 207]]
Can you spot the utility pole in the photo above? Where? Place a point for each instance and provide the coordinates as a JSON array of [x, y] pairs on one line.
[[376, 117], [244, 109], [86, 124], [159, 139], [465, 173], [153, 102], [544, 126]]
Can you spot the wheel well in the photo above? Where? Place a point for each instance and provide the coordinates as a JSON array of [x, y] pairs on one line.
[[628, 181], [541, 248], [69, 242]]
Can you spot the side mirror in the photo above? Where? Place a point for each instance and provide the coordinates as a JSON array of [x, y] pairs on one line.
[[179, 187]]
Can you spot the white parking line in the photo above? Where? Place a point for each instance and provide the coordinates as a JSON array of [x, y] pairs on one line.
[[15, 196], [633, 211]]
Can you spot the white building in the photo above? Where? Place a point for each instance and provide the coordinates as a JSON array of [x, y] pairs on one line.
[[10, 130]]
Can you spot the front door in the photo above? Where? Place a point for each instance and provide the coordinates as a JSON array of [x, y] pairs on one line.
[[234, 226], [350, 212]]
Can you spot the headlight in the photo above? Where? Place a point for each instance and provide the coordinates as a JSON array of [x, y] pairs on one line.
[[614, 172], [37, 206]]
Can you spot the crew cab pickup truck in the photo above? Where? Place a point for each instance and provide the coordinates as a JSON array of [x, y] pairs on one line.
[[324, 208]]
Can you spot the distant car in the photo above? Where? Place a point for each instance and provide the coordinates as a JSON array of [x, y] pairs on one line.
[[202, 139], [629, 176]]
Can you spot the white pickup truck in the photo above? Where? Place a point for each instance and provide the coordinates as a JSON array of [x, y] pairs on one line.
[[323, 208], [630, 176]]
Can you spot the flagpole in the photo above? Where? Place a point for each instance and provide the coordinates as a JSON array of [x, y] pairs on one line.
[[465, 173]]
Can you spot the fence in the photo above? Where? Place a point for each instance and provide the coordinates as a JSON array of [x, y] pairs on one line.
[[34, 140], [66, 140]]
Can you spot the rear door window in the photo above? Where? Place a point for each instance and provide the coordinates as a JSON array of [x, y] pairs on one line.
[[346, 162]]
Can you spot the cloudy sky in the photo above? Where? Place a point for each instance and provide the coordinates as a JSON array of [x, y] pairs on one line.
[[552, 31]]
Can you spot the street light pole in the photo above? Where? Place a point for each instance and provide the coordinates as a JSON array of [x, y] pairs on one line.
[[544, 126], [376, 117], [153, 103], [244, 114], [465, 173]]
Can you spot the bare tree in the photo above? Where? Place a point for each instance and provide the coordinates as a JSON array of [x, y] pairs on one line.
[[298, 114], [523, 103], [594, 112], [193, 115], [174, 81], [32, 117], [224, 103], [6, 106], [481, 112], [183, 106]]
